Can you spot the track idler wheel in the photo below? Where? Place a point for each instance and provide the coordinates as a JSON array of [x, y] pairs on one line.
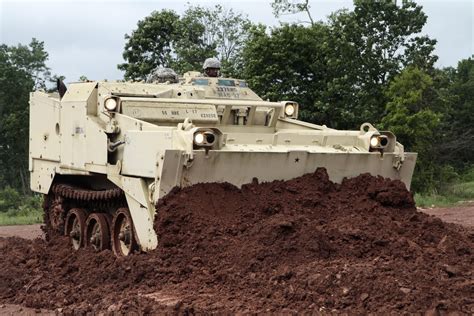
[[75, 227], [123, 233], [97, 233]]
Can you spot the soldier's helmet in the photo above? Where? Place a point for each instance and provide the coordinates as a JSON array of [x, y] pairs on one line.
[[160, 75], [211, 67], [211, 63]]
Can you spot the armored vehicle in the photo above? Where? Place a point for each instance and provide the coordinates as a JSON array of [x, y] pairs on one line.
[[104, 153]]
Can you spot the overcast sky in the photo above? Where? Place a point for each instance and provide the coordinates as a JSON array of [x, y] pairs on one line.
[[87, 37]]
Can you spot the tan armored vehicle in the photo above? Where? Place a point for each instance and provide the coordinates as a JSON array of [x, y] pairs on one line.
[[105, 152]]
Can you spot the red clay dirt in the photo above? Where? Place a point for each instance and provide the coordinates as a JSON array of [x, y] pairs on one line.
[[304, 245]]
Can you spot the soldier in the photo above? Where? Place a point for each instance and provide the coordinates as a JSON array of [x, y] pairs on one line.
[[162, 75], [212, 67]]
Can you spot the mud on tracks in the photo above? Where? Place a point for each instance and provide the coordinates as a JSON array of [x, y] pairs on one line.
[[287, 246]]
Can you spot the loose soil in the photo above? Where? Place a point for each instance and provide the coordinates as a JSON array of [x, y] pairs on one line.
[[304, 245]]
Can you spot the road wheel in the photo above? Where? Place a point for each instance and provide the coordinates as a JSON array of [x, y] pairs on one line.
[[75, 227], [97, 232], [123, 233]]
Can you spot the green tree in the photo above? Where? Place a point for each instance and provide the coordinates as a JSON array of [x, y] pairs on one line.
[[191, 49], [289, 63], [151, 44], [457, 89], [409, 114], [164, 39], [411, 118], [370, 46], [22, 69], [183, 42], [226, 30], [338, 71], [10, 199]]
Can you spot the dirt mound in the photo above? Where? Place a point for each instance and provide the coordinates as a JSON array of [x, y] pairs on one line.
[[287, 246]]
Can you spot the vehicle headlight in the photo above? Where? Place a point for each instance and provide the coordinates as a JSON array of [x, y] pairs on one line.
[[379, 141], [374, 141], [199, 138], [111, 104], [204, 138], [289, 109]]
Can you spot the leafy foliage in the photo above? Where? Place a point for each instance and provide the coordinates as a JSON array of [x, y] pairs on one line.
[[416, 125], [9, 199], [224, 29], [457, 147], [432, 114], [22, 69], [370, 46], [409, 114], [288, 63], [183, 43], [339, 71], [151, 44], [12, 202], [16, 208]]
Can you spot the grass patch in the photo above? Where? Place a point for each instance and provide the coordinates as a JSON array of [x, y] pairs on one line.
[[17, 209], [33, 217], [451, 196]]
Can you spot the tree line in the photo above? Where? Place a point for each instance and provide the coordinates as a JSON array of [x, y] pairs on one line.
[[369, 64]]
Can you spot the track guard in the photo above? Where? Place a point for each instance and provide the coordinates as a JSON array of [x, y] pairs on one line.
[[141, 210]]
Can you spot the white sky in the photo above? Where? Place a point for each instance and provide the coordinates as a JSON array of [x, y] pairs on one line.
[[87, 37]]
